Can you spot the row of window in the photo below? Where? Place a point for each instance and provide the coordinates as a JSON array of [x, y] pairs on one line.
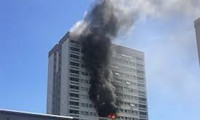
[[128, 111], [117, 73], [85, 73], [85, 81], [76, 95], [74, 103], [86, 105], [126, 57], [127, 82], [123, 61], [127, 118], [128, 104], [75, 79], [125, 96], [85, 113], [126, 89], [124, 75], [123, 68]]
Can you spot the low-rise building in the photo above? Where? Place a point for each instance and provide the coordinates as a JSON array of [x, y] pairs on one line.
[[19, 115]]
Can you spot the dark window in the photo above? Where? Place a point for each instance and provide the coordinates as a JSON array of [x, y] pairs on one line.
[[142, 99], [143, 113], [74, 79], [141, 92], [74, 64], [73, 41], [142, 106], [74, 111], [74, 87], [74, 56], [74, 71], [74, 103], [74, 95], [74, 49]]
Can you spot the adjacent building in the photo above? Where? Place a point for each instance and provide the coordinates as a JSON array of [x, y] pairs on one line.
[[68, 82], [19, 115], [197, 28]]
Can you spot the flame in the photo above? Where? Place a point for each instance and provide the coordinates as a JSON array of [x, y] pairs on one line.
[[112, 116]]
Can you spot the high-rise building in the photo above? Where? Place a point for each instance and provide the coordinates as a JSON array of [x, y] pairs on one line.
[[68, 82], [197, 27]]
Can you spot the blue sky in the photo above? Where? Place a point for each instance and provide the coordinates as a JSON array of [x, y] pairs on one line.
[[29, 29]]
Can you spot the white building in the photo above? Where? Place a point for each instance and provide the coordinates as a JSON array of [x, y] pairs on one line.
[[68, 82], [197, 27]]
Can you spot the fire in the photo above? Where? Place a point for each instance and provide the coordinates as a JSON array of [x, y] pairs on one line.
[[112, 116]]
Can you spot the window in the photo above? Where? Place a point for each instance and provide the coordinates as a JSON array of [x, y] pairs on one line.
[[74, 79], [74, 49], [85, 73], [84, 89], [143, 113], [140, 65], [141, 85], [142, 106], [140, 59], [74, 103], [73, 41], [85, 81], [74, 111], [74, 56], [74, 87], [74, 95], [140, 72], [74, 64], [141, 92], [85, 96], [84, 113], [74, 71], [142, 99], [140, 78]]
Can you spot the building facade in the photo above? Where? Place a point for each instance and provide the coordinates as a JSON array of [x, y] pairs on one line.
[[19, 115], [197, 28], [68, 82]]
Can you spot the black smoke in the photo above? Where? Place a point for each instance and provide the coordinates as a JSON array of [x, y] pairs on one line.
[[100, 26], [96, 49]]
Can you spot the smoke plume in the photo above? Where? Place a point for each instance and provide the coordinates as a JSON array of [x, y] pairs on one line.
[[100, 26], [106, 20]]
